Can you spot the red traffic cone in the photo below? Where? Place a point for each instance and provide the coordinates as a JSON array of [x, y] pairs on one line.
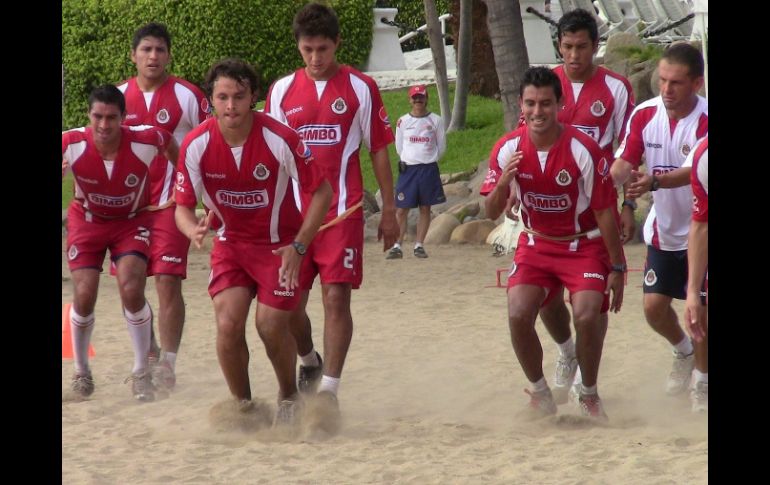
[[66, 335]]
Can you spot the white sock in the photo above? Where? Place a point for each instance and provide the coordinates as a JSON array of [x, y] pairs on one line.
[[81, 329], [330, 384], [578, 379], [588, 389], [139, 325], [417, 245], [310, 360], [539, 386], [567, 349], [699, 376], [169, 357], [684, 347], [397, 245]]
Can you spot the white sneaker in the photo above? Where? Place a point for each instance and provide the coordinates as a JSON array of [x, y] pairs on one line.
[[699, 396], [679, 378], [541, 403], [566, 367]]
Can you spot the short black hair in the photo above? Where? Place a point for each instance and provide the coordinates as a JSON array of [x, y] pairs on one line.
[[540, 77], [152, 29], [236, 69], [315, 19], [685, 54], [577, 20], [107, 94]]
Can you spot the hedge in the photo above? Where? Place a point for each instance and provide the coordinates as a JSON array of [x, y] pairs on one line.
[[96, 40], [412, 14]]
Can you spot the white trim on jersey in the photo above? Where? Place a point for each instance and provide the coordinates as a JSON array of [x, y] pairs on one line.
[[190, 108], [280, 88], [585, 185], [282, 152], [144, 152], [620, 95], [192, 163]]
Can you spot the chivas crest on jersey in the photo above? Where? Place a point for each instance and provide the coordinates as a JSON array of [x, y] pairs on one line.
[[339, 106], [563, 178], [598, 109], [261, 172]]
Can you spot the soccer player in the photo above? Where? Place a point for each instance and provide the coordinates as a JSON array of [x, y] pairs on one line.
[[111, 167], [570, 238], [156, 98], [240, 164], [334, 108], [665, 129]]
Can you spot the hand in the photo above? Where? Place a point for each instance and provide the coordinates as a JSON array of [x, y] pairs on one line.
[[199, 232], [512, 207], [640, 183], [695, 317], [511, 169], [627, 225], [288, 273], [616, 284], [64, 165], [388, 230]]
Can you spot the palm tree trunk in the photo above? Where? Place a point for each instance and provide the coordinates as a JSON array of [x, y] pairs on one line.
[[463, 46], [439, 59]]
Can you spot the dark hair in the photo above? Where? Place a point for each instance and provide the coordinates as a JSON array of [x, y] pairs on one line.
[[540, 77], [685, 54], [577, 20], [153, 29], [316, 19], [107, 94], [235, 69]]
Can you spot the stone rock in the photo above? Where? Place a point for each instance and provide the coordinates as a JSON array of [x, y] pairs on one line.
[[474, 232], [371, 225], [457, 189], [441, 228], [640, 82], [617, 45], [468, 208], [370, 203], [478, 178]]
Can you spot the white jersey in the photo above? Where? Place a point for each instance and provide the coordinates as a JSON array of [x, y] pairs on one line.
[[420, 140], [665, 144]]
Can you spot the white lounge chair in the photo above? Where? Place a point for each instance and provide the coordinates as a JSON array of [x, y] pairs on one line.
[[674, 10], [615, 18]]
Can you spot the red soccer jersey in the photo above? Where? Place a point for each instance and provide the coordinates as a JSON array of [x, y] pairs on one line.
[[560, 188], [699, 177], [347, 111], [113, 188], [248, 187], [177, 106], [601, 108]]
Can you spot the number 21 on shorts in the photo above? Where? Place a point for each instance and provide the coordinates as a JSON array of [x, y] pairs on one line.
[[350, 255]]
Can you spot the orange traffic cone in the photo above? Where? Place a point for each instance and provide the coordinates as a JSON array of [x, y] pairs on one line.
[[66, 335]]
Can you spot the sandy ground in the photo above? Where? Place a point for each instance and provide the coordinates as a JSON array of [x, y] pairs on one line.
[[430, 394]]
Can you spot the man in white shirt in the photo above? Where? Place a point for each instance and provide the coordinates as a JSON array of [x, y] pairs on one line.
[[420, 143]]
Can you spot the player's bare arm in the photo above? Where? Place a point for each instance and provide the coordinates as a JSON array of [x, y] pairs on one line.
[[620, 171], [644, 181], [695, 313], [609, 230], [627, 221], [190, 226], [388, 230], [291, 260]]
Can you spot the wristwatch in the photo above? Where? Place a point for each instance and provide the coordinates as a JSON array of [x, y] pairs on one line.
[[629, 203], [620, 268], [301, 249], [655, 184]]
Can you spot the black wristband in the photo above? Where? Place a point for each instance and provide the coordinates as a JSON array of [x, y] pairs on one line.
[[620, 268], [655, 183], [629, 203]]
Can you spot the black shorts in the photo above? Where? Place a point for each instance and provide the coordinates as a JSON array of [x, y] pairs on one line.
[[665, 273], [419, 185]]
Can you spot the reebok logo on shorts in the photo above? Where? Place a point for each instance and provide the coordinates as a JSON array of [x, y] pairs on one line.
[[597, 276], [283, 293]]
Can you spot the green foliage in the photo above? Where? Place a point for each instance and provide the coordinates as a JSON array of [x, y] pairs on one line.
[[412, 13], [96, 40], [640, 54]]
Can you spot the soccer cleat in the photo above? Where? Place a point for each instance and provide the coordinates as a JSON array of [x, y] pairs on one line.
[[679, 378], [83, 384], [699, 396], [566, 368], [394, 253], [310, 376], [591, 406], [419, 252], [542, 402], [163, 376], [141, 386]]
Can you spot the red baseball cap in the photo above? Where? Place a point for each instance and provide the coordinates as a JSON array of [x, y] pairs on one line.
[[419, 89]]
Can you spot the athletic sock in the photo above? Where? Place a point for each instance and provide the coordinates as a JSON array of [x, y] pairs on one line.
[[539, 386], [139, 324], [684, 347], [81, 328], [699, 376], [567, 349], [588, 389], [169, 357], [330, 384], [310, 360]]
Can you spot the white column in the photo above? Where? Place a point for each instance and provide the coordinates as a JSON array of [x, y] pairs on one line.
[[386, 52], [537, 34], [700, 30]]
